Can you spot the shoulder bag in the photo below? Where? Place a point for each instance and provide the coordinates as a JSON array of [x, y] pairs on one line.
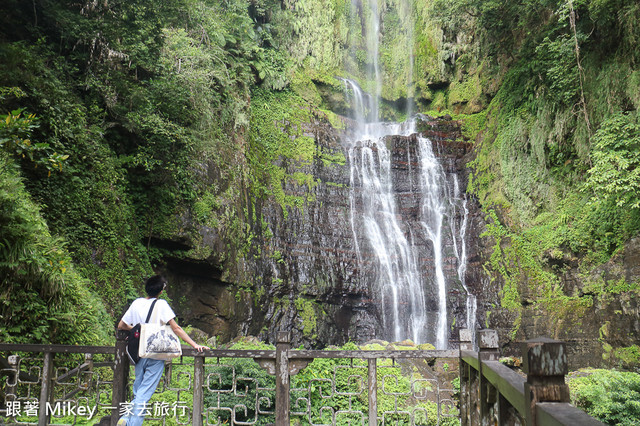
[[158, 341]]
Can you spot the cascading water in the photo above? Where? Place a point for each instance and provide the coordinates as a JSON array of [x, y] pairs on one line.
[[461, 254], [412, 296], [432, 213], [372, 191], [381, 237]]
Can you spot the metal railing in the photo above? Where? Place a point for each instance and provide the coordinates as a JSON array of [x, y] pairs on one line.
[[492, 393], [57, 384]]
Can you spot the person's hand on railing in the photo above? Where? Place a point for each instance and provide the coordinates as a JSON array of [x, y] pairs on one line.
[[200, 348]]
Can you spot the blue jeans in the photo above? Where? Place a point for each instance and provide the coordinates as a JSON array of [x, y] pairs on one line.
[[148, 374]]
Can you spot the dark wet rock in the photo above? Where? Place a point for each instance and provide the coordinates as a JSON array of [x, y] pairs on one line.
[[307, 277]]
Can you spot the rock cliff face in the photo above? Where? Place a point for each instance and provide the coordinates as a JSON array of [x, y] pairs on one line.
[[308, 275], [305, 274], [602, 331]]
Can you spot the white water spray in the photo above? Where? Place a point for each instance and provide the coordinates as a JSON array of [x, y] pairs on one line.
[[383, 243], [432, 210], [461, 253]]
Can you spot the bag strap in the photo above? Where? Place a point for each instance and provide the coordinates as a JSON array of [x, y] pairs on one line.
[[151, 310]]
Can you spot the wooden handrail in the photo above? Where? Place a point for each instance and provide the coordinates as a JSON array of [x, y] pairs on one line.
[[509, 383], [57, 349], [492, 391]]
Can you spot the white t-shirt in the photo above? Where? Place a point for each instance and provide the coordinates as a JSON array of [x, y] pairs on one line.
[[139, 309]]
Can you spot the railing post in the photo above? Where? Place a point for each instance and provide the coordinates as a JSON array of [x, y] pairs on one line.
[[545, 362], [466, 344], [88, 360], [488, 350], [45, 390], [120, 375], [198, 384], [283, 344], [12, 385], [373, 391]]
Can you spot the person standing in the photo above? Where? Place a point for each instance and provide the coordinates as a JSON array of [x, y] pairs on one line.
[[149, 371]]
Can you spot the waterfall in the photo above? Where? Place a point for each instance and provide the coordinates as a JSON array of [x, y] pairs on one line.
[[388, 245], [391, 252], [371, 189], [461, 255], [397, 275], [432, 211]]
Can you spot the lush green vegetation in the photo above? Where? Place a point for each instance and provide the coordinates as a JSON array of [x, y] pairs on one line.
[[44, 299], [556, 165], [110, 111], [125, 124], [610, 396]]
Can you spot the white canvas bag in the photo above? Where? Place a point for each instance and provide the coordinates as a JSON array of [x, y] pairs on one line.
[[158, 341]]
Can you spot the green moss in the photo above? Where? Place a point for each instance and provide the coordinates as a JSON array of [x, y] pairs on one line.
[[336, 158], [627, 357], [472, 124], [465, 91], [426, 347], [517, 260], [439, 101], [302, 85], [277, 139], [373, 347], [307, 313], [335, 120]]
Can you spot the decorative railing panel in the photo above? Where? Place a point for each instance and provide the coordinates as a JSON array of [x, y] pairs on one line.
[[241, 393], [81, 385], [228, 387]]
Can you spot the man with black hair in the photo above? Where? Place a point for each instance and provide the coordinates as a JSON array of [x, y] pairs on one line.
[[149, 371]]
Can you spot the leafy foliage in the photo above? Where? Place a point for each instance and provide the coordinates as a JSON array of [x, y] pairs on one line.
[[556, 160], [124, 100], [616, 161], [611, 396], [15, 130], [44, 299]]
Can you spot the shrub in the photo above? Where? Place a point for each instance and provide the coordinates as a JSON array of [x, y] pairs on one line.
[[609, 395]]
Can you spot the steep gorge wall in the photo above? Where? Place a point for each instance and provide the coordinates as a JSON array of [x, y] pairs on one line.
[[597, 312], [307, 276], [148, 184]]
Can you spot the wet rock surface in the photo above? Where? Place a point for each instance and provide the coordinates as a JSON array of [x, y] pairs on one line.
[[308, 276]]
